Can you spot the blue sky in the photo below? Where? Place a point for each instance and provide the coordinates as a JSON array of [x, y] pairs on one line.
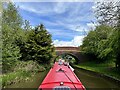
[[68, 22]]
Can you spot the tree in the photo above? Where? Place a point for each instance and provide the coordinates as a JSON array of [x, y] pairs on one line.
[[39, 45], [109, 13], [106, 13], [21, 42], [11, 16], [27, 25], [96, 42], [10, 51], [11, 29]]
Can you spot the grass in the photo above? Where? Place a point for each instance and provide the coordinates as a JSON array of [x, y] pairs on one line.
[[22, 72], [14, 77], [103, 68]]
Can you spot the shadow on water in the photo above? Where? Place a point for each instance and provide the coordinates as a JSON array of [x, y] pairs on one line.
[[93, 81], [34, 82]]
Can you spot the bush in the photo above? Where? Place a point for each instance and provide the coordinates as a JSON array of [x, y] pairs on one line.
[[29, 66]]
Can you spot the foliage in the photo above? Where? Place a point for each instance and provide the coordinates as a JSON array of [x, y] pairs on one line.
[[27, 25], [23, 71], [11, 23], [104, 41], [38, 46], [115, 45], [21, 42], [11, 17], [109, 13], [96, 42], [14, 77], [29, 66]]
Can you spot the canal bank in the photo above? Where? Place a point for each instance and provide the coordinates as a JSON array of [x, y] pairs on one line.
[[96, 80], [24, 71], [32, 83], [89, 79]]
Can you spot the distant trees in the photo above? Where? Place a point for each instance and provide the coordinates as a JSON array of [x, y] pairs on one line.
[[21, 42], [104, 41]]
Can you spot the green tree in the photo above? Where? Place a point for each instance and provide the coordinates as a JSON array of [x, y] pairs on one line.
[[96, 42], [11, 29], [27, 25], [109, 13], [39, 45], [11, 16], [10, 51]]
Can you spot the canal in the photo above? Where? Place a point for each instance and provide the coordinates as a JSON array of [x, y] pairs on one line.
[[93, 81], [89, 80]]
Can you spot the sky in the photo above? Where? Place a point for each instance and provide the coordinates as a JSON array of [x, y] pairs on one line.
[[67, 22]]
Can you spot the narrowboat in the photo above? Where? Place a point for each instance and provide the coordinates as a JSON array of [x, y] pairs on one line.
[[61, 77]]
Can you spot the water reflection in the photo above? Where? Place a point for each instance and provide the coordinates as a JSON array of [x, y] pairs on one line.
[[91, 80]]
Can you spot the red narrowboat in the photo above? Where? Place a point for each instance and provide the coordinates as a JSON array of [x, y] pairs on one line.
[[61, 77]]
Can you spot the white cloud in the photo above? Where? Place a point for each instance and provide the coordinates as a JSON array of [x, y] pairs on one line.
[[77, 41], [34, 9], [74, 27], [92, 26], [60, 7], [70, 21], [57, 8], [61, 33], [67, 20], [80, 28]]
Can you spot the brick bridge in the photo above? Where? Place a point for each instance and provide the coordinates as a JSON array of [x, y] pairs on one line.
[[72, 51]]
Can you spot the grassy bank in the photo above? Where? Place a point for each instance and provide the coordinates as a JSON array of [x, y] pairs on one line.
[[23, 71], [104, 68], [14, 77]]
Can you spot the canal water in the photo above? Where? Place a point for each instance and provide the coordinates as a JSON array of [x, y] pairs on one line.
[[93, 81], [89, 80]]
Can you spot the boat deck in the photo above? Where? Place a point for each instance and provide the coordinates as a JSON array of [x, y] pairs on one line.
[[61, 75]]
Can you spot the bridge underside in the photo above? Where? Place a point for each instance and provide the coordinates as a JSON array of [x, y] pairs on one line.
[[76, 55], [72, 51]]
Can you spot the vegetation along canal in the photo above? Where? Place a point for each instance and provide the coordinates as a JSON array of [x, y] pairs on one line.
[[89, 80], [34, 82]]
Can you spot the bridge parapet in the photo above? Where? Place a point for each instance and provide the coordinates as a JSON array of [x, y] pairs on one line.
[[67, 48], [73, 51]]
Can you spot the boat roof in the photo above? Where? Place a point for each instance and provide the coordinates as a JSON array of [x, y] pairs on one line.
[[61, 75]]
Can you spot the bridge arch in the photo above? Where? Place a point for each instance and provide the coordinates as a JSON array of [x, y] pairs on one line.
[[68, 53], [72, 51]]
